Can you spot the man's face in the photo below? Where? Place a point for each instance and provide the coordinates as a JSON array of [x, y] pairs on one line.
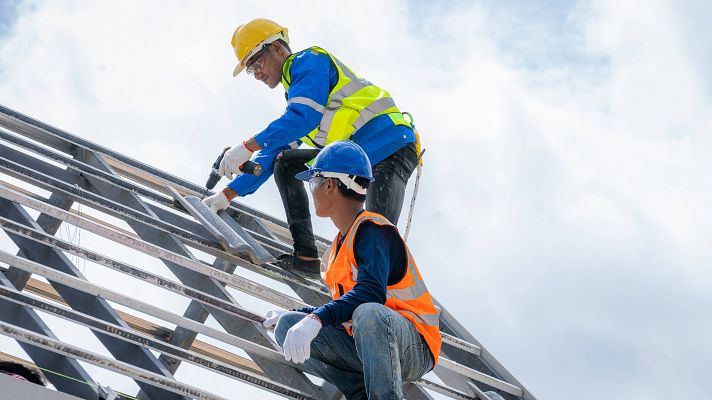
[[321, 189], [266, 66]]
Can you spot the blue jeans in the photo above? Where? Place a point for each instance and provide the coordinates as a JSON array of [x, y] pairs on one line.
[[384, 351]]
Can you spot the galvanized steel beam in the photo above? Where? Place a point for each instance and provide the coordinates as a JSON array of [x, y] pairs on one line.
[[130, 270], [27, 318], [464, 371], [170, 387], [68, 143], [45, 175], [260, 291], [95, 291], [458, 344], [142, 340], [485, 362], [278, 372], [47, 224], [184, 338], [78, 300], [233, 241], [90, 171], [106, 177], [235, 281], [154, 311]]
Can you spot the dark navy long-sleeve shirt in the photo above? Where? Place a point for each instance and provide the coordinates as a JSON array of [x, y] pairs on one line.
[[381, 260], [313, 77]]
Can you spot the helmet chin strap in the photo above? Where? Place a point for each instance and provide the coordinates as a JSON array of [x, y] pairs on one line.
[[348, 180]]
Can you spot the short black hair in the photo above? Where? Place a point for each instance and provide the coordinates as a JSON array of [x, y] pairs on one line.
[[31, 374], [363, 182]]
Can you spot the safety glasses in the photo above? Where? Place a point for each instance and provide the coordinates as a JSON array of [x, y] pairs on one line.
[[259, 61], [316, 181]]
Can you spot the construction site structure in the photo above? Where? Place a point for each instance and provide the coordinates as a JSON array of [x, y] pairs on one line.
[[65, 180]]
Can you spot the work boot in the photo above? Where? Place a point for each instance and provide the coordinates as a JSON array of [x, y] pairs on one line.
[[308, 268]]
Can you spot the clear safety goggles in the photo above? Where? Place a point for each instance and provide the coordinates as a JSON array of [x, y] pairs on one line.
[[316, 181], [259, 63], [347, 180]]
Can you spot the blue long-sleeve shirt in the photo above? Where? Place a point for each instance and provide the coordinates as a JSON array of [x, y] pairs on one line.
[[381, 259], [313, 76]]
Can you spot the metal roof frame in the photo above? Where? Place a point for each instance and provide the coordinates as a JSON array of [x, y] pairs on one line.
[[77, 171]]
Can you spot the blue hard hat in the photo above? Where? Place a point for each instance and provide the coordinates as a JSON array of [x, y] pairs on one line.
[[344, 157]]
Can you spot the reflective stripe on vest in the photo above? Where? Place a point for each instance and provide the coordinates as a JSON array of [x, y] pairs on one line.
[[414, 291], [307, 102], [409, 297], [427, 319], [352, 103]]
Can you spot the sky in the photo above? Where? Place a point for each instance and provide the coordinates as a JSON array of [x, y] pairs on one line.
[[563, 213]]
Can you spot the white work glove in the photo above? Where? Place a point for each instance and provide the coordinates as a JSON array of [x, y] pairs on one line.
[[297, 344], [272, 317], [233, 159], [217, 202]]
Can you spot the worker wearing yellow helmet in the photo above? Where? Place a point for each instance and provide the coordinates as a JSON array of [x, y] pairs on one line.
[[326, 102], [253, 38]]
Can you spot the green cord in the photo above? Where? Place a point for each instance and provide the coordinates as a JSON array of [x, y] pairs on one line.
[[85, 382]]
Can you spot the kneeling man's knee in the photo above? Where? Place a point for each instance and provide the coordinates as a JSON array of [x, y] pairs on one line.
[[369, 316], [286, 321]]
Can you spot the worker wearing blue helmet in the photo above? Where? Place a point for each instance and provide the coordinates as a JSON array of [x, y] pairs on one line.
[[381, 327], [346, 161]]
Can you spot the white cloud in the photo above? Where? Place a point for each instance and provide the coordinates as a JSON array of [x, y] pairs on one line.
[[563, 210]]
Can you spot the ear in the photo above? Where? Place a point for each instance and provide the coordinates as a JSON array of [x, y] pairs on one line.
[[279, 49], [332, 184]]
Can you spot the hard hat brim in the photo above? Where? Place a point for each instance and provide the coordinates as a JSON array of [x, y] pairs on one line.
[[240, 67], [305, 175]]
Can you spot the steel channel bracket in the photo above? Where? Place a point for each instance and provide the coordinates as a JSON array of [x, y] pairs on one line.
[[229, 233]]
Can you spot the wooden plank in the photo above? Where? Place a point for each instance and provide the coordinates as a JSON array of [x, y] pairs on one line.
[[11, 358]]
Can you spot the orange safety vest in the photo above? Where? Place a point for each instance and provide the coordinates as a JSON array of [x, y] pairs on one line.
[[409, 297]]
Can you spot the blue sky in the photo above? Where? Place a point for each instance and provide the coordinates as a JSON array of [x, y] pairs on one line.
[[8, 14], [563, 215]]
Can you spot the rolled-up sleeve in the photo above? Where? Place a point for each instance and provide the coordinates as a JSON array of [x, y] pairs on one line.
[[306, 100]]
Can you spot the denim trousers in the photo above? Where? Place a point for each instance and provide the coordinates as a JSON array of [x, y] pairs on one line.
[[385, 193], [384, 351]]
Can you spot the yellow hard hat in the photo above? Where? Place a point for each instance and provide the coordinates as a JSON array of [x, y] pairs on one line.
[[249, 38]]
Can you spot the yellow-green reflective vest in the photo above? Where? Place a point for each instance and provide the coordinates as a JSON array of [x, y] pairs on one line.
[[351, 104]]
